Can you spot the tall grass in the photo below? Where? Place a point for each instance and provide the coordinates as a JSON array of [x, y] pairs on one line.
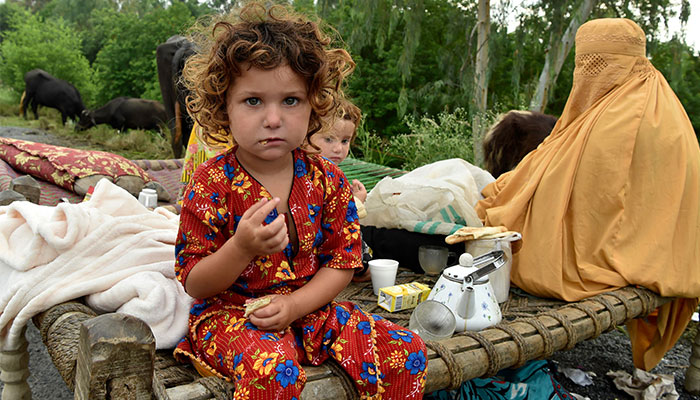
[[9, 102], [447, 135]]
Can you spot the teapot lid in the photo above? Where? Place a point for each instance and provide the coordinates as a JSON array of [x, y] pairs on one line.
[[457, 273]]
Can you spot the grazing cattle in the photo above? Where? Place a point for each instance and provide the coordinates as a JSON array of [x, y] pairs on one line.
[[514, 135], [126, 113], [170, 59], [43, 89]]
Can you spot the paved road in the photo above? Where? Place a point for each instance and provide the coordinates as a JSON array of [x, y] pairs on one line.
[[44, 380]]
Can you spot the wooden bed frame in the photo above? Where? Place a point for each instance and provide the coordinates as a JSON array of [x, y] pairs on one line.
[[113, 356]]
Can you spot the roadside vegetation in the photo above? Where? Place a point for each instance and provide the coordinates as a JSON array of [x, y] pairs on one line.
[[418, 66], [134, 144]]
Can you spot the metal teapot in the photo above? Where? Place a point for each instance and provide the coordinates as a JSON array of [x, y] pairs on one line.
[[467, 291]]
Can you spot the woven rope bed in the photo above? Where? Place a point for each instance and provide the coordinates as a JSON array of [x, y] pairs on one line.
[[113, 356]]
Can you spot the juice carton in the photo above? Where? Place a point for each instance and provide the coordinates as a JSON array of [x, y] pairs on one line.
[[402, 297]]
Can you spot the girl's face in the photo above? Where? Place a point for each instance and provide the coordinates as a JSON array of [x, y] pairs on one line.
[[335, 145], [268, 113]]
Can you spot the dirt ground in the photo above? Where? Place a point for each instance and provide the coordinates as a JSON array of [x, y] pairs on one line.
[[609, 352]]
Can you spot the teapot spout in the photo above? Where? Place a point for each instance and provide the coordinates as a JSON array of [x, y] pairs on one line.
[[465, 308]]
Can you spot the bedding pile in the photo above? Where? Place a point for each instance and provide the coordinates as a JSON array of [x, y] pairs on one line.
[[110, 249]]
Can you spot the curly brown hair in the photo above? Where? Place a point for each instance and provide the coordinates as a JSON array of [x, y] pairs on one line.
[[263, 38], [349, 111]]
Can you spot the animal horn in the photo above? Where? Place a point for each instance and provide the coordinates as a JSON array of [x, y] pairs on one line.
[[178, 124], [21, 103]]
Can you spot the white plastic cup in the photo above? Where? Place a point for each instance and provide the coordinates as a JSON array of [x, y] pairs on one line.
[[149, 198], [383, 272]]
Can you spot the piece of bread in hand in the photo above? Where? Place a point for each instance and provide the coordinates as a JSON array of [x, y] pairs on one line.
[[251, 305], [473, 232]]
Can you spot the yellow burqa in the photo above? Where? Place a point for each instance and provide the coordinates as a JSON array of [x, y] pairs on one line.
[[611, 197]]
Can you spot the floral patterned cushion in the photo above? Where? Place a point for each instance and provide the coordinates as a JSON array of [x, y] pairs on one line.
[[72, 169]]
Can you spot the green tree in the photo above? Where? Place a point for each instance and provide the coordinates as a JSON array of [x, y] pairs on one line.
[[90, 18], [412, 56], [7, 12], [49, 44], [126, 64], [680, 65]]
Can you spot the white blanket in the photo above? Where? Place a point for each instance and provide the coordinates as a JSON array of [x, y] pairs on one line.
[[110, 249]]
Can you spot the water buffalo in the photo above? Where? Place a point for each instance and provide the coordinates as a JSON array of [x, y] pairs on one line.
[[126, 113], [43, 89], [514, 135], [170, 59]]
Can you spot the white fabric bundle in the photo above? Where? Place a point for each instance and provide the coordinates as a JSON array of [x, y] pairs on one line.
[[437, 198], [110, 248]]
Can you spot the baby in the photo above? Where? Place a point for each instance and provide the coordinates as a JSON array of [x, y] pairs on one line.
[[334, 144]]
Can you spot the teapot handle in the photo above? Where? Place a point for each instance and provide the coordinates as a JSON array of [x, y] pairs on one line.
[[486, 264]]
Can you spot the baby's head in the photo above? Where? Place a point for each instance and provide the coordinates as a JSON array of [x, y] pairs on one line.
[[334, 141], [265, 39]]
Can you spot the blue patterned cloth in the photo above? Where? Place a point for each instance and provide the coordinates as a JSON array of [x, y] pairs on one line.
[[533, 381]]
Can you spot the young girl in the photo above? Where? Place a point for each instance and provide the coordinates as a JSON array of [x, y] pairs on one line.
[[267, 219]]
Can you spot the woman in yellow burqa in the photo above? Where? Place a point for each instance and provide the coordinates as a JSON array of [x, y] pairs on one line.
[[610, 198]]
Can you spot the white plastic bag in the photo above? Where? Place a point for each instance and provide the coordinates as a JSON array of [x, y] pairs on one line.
[[437, 198]]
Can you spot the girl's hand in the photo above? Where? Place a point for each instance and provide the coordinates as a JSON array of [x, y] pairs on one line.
[[358, 190], [277, 315], [255, 239]]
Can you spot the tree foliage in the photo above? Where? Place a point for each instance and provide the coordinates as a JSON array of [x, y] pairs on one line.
[[681, 68], [408, 63], [50, 44], [415, 58], [126, 64]]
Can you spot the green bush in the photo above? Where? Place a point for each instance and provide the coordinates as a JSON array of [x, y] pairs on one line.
[[430, 140], [48, 44], [369, 146]]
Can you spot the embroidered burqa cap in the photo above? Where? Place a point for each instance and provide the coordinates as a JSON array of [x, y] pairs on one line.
[[611, 197]]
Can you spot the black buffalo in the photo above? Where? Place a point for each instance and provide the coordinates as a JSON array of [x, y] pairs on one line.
[[43, 89], [514, 135], [170, 59], [126, 113]]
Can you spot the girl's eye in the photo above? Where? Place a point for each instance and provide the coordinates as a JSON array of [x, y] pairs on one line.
[[345, 141], [291, 101], [252, 101], [328, 139]]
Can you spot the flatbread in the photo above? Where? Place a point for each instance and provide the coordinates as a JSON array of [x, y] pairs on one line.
[[251, 305], [473, 232]]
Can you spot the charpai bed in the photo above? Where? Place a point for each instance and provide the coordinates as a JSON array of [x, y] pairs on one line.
[[114, 356]]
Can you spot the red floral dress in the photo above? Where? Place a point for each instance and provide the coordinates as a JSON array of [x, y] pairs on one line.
[[383, 359]]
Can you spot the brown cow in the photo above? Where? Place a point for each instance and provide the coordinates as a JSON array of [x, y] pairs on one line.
[[515, 134]]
